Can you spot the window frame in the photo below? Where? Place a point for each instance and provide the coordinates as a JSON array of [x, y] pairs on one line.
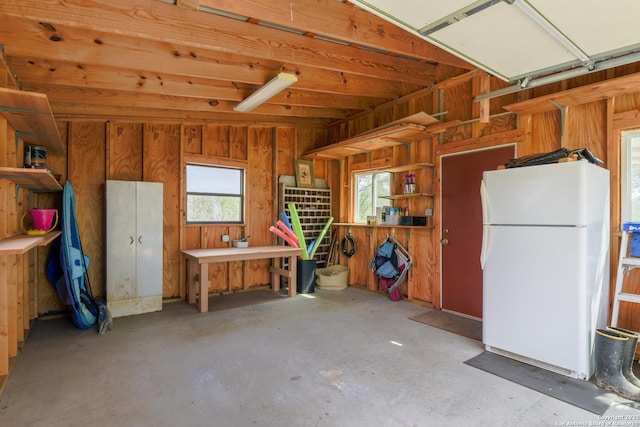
[[241, 195], [354, 197]]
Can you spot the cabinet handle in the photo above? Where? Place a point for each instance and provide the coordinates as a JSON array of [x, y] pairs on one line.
[[140, 239], [131, 242]]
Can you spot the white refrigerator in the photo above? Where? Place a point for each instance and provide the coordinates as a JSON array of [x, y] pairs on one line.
[[545, 261]]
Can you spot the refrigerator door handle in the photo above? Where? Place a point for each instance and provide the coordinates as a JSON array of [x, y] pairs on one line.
[[485, 243], [484, 203], [485, 227]]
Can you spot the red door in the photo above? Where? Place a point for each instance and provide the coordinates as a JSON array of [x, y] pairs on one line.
[[461, 222]]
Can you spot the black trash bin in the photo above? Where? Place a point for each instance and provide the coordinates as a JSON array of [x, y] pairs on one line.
[[306, 276]]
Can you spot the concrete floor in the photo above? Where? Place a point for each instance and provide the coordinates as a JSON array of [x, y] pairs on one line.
[[336, 358]]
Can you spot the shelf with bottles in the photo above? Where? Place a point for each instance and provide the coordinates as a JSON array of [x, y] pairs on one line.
[[407, 196]]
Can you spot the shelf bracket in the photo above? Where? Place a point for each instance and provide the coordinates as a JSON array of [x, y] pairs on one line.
[[563, 114], [29, 193], [20, 134]]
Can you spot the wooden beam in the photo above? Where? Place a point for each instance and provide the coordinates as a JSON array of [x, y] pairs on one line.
[[580, 95], [7, 77], [113, 51], [154, 20], [626, 120], [95, 98], [189, 4], [67, 73], [79, 113], [485, 104], [340, 21]]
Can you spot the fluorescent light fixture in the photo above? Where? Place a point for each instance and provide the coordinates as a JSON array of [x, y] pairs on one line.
[[266, 92]]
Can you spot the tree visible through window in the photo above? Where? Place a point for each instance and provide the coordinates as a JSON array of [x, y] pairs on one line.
[[214, 194], [370, 189], [631, 176]]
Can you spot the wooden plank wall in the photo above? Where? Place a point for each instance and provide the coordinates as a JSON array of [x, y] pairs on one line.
[[594, 123], [97, 151]]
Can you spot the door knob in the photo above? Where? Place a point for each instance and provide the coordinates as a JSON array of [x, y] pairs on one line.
[[445, 230], [444, 241]]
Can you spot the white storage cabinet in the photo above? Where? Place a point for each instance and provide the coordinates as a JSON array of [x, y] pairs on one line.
[[134, 247]]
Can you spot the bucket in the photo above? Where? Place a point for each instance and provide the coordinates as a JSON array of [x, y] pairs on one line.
[[35, 157], [306, 276], [42, 221]]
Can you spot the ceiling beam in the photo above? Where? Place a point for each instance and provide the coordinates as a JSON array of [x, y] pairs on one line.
[[341, 21], [65, 73], [155, 20], [85, 97], [63, 111], [83, 47]]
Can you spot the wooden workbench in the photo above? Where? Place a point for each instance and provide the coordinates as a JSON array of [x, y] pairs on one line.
[[198, 261]]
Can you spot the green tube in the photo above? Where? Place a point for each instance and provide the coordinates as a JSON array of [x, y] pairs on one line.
[[320, 237], [297, 230]]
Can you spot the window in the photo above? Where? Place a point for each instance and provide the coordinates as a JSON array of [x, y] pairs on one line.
[[630, 176], [370, 188], [214, 194]]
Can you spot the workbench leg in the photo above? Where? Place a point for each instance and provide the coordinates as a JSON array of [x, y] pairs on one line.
[[204, 288], [293, 263], [12, 299], [192, 273], [275, 277]]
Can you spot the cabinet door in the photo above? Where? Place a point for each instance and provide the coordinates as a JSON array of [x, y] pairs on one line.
[[121, 240], [149, 204]]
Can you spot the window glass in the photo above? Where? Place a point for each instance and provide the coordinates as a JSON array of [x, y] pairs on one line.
[[214, 194], [370, 189], [630, 176]]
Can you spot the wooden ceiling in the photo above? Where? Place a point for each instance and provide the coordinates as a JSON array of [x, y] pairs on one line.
[[196, 59]]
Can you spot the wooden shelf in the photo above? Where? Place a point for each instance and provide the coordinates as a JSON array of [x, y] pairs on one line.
[[30, 115], [412, 166], [401, 131], [22, 243], [32, 179], [406, 196], [357, 224]]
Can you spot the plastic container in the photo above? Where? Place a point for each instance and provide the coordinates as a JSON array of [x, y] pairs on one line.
[[240, 243], [332, 278]]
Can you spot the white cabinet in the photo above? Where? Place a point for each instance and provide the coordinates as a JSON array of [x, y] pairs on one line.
[[134, 247]]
